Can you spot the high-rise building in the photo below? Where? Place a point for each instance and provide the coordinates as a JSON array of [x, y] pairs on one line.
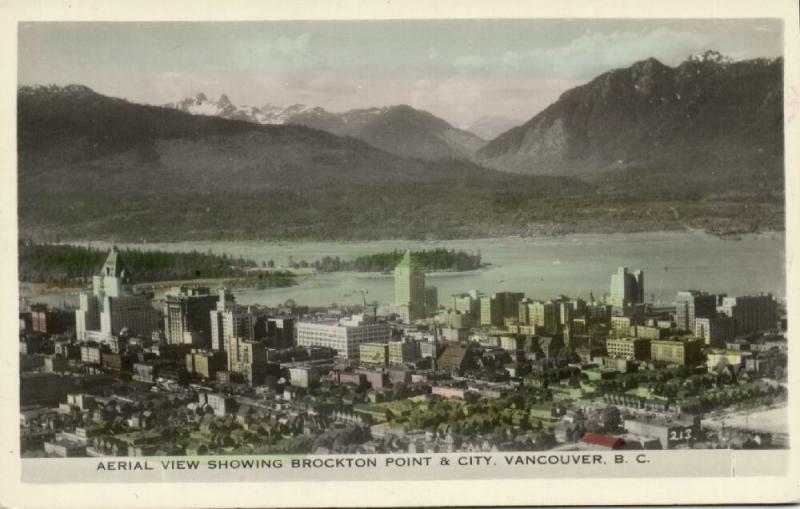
[[579, 307], [468, 303], [248, 359], [187, 316], [280, 333], [51, 321], [565, 313], [229, 320], [524, 311], [112, 306], [495, 309], [545, 316], [132, 312], [627, 287], [409, 289], [692, 304], [431, 300], [491, 313], [751, 313]]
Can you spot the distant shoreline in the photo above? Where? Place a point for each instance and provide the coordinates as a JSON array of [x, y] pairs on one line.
[[535, 235]]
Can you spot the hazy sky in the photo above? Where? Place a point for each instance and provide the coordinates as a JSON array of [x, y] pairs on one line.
[[457, 69]]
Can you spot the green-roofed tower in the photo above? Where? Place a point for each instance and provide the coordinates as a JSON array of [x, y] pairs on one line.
[[115, 266], [114, 276], [409, 288]]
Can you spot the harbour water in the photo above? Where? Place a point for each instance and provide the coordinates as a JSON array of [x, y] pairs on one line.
[[542, 267]]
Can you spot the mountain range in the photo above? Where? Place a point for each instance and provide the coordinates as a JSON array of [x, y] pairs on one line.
[[645, 147], [96, 166], [400, 129], [706, 115]]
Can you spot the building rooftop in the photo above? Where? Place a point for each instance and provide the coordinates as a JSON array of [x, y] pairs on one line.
[[603, 440], [115, 266]]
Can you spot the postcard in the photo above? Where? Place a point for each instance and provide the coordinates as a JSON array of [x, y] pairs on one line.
[[363, 255]]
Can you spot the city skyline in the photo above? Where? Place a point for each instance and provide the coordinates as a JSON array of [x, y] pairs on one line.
[[478, 373]]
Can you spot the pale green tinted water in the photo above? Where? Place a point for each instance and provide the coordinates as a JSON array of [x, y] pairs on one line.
[[542, 267]]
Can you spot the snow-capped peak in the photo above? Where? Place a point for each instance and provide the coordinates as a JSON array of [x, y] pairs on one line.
[[223, 107]]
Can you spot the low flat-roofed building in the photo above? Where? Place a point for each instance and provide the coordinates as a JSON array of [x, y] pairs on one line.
[[628, 348], [715, 331], [221, 404], [621, 324], [304, 376], [449, 392], [401, 352], [671, 433], [595, 441], [720, 357], [206, 363], [647, 332], [42, 388], [376, 379], [55, 363], [345, 335], [90, 354], [350, 378], [64, 449], [374, 354], [686, 351]]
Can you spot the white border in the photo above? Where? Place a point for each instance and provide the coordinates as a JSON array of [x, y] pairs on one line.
[[377, 494]]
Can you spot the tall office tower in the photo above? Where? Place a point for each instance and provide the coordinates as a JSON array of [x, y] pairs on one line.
[[431, 300], [751, 313], [491, 311], [524, 311], [495, 309], [565, 313], [247, 358], [627, 287], [510, 303], [187, 316], [579, 305], [691, 304], [87, 316], [231, 320], [409, 288], [225, 302], [280, 332], [545, 315], [112, 306]]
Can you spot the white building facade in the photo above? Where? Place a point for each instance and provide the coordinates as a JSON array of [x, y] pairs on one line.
[[345, 335]]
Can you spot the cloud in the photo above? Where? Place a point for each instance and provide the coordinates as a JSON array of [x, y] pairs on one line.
[[599, 51], [590, 54]]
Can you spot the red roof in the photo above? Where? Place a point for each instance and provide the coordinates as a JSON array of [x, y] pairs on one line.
[[603, 440]]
